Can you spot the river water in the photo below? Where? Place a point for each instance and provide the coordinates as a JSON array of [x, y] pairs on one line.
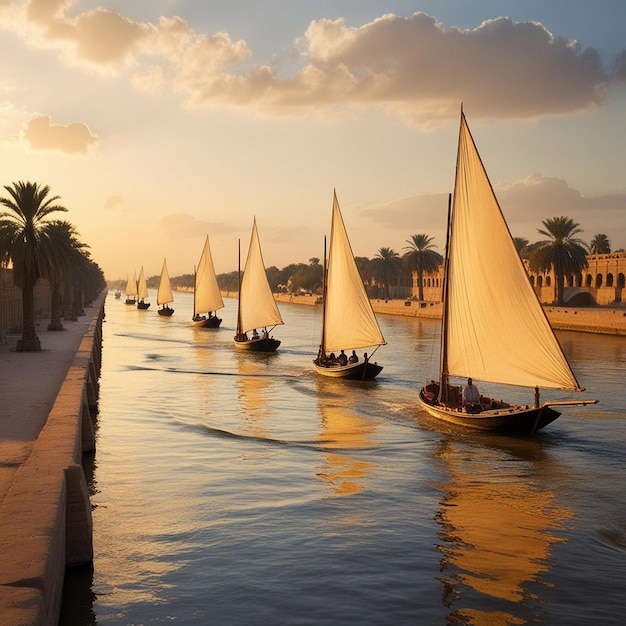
[[233, 488]]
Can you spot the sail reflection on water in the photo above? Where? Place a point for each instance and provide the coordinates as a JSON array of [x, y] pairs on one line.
[[498, 529], [343, 430]]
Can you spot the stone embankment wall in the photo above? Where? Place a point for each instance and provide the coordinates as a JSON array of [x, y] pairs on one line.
[[46, 515], [604, 320]]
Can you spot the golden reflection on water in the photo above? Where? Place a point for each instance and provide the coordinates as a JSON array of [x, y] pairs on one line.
[[253, 389], [498, 526], [342, 429], [205, 361]]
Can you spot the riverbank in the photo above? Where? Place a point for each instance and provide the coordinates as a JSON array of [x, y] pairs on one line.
[[603, 320], [49, 400]]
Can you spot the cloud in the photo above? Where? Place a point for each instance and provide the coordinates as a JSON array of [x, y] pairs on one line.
[[532, 200], [501, 68], [413, 66], [41, 134], [524, 203], [418, 67], [619, 66], [100, 37], [424, 212], [114, 203], [185, 226]]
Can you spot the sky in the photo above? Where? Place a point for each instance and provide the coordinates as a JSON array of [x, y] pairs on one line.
[[161, 123]]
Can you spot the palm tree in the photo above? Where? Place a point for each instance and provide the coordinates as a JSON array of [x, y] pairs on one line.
[[95, 282], [421, 257], [386, 267], [600, 244], [563, 252], [521, 245], [25, 242], [70, 254]]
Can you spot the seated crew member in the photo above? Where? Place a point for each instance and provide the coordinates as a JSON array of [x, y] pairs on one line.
[[471, 398]]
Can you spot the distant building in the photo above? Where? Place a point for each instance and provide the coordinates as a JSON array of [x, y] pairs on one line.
[[602, 282]]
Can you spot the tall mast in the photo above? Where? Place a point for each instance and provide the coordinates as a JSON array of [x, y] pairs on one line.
[[324, 287], [239, 295], [443, 367]]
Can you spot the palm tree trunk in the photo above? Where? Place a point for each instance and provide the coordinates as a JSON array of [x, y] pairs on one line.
[[560, 288], [78, 309], [29, 341], [68, 304], [55, 307], [420, 284]]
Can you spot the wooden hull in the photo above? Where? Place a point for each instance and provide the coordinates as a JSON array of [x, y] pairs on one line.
[[352, 371], [208, 322], [519, 419], [166, 312], [130, 301], [263, 344], [143, 305]]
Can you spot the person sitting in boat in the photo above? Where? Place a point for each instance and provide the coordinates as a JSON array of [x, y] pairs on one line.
[[471, 398], [353, 358], [343, 359], [255, 335], [332, 359]]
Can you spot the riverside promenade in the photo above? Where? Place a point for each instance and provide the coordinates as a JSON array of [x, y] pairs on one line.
[[605, 320], [48, 404]]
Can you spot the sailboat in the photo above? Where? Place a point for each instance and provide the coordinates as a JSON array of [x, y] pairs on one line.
[[348, 320], [493, 328], [142, 291], [257, 308], [207, 298], [164, 292], [131, 290]]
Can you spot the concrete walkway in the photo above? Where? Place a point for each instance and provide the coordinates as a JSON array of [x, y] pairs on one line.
[[45, 422], [29, 385]]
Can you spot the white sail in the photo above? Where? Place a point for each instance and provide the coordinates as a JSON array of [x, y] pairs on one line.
[[131, 287], [257, 307], [349, 321], [142, 288], [164, 293], [207, 295], [494, 327]]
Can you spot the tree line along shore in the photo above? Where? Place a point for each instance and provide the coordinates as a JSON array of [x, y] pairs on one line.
[[604, 320]]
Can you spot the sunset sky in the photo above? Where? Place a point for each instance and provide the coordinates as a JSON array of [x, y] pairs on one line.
[[163, 121]]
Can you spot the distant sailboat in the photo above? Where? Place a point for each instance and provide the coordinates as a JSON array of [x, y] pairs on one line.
[[257, 308], [131, 290], [348, 320], [142, 291], [494, 328], [207, 298], [164, 293]]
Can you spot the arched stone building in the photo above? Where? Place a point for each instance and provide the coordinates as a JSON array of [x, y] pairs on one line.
[[602, 282]]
